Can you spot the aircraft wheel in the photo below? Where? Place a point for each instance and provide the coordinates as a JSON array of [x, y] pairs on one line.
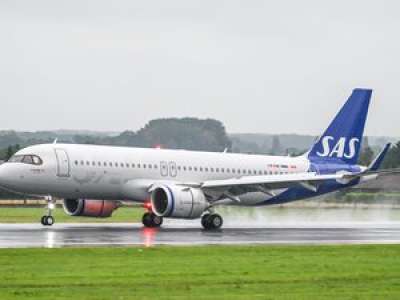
[[49, 220], [157, 220], [216, 221], [212, 221], [204, 221], [151, 220]]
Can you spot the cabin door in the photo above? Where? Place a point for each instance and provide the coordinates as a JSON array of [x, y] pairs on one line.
[[63, 168]]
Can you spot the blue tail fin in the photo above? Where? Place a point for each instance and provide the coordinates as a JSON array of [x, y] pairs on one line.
[[342, 140]]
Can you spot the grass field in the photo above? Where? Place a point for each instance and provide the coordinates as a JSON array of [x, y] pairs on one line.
[[231, 272], [33, 214]]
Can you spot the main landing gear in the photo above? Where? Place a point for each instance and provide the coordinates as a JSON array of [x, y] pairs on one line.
[[48, 220], [212, 221], [151, 220]]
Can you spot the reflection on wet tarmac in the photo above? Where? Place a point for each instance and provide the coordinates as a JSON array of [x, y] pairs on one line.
[[63, 235]]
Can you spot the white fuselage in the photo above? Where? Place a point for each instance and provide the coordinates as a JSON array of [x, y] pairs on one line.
[[122, 173]]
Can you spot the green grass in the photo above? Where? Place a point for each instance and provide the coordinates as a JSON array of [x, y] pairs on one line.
[[33, 214], [244, 272]]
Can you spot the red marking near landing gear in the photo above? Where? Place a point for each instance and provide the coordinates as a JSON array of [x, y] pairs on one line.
[[148, 235], [148, 206]]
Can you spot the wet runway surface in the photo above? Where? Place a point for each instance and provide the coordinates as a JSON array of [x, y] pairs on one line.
[[81, 235]]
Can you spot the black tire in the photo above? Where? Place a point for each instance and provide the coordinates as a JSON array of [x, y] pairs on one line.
[[205, 221], [147, 220], [43, 221], [211, 221], [156, 220], [216, 221], [49, 220]]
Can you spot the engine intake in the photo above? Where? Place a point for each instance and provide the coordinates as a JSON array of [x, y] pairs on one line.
[[89, 208], [178, 202]]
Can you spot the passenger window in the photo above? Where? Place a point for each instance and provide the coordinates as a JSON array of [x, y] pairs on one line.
[[184, 168], [87, 163], [212, 169], [150, 166], [144, 166], [138, 165], [201, 169], [156, 167], [195, 168], [206, 169], [133, 165], [190, 168], [82, 162], [110, 164], [76, 162]]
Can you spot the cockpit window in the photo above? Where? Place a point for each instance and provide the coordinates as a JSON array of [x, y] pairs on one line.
[[16, 158], [26, 159]]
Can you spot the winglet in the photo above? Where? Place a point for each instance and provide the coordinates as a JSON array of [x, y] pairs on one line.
[[376, 163]]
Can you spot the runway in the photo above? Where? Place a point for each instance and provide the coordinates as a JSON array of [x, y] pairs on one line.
[[89, 235]]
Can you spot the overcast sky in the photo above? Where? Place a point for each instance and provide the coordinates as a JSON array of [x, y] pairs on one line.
[[258, 66]]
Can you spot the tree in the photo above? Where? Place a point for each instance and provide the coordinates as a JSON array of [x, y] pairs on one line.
[[366, 156], [276, 148], [10, 152], [392, 159]]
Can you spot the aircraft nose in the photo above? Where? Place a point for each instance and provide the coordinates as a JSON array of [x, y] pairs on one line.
[[3, 176]]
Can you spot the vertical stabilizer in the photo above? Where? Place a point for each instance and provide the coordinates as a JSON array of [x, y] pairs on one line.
[[342, 140]]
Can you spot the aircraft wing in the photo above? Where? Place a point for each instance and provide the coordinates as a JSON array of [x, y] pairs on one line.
[[231, 188]]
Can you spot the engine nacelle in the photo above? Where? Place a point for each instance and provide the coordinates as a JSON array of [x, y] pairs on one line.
[[178, 202], [89, 208]]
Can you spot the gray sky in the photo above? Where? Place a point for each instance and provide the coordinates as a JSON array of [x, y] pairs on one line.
[[258, 66]]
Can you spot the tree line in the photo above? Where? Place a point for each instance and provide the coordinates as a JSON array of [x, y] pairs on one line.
[[183, 133]]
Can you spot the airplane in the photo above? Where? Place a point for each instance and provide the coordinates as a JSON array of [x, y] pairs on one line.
[[93, 180]]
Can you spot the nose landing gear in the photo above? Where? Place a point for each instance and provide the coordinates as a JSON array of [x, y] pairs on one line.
[[48, 220]]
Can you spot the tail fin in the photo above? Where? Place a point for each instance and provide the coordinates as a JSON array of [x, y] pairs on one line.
[[342, 140]]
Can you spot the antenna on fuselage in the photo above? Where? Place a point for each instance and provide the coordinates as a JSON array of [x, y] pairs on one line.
[[55, 141]]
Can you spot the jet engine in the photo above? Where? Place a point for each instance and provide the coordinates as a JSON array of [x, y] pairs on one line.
[[89, 208], [178, 202]]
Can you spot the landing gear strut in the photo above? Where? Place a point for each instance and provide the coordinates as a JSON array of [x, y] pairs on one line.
[[152, 220], [212, 221], [48, 220]]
